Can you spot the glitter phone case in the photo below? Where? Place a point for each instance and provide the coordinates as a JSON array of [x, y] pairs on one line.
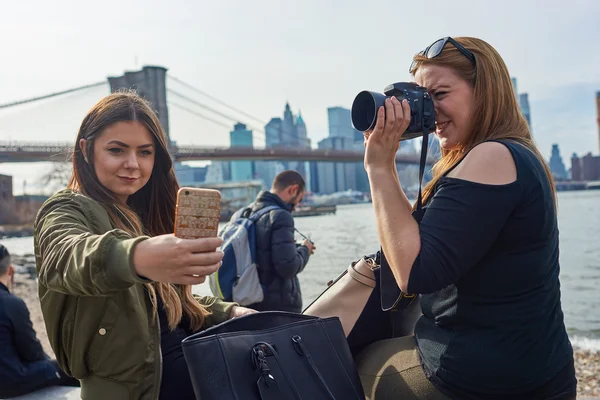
[[197, 213]]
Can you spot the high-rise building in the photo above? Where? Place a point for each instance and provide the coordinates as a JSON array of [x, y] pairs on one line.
[[273, 132], [515, 89], [313, 184], [8, 211], [340, 124], [241, 137], [303, 140], [591, 167], [188, 175], [6, 188], [575, 168], [343, 137], [336, 176], [218, 172], [362, 179], [523, 102], [557, 167], [289, 137], [150, 83], [266, 171], [586, 168], [598, 116], [287, 132]]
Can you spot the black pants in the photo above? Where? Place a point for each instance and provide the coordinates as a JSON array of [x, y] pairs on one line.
[[40, 376]]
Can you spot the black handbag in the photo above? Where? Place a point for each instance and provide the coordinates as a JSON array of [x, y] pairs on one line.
[[272, 355]]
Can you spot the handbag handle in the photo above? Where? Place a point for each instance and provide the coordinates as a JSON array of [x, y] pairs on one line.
[[267, 385], [303, 351], [367, 277]]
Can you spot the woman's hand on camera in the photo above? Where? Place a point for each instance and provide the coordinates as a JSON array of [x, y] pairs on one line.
[[382, 143], [169, 259]]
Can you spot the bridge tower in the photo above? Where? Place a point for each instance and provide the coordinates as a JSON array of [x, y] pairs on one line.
[[150, 83]]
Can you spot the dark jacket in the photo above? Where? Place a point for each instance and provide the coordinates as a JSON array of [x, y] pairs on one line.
[[278, 257], [22, 359]]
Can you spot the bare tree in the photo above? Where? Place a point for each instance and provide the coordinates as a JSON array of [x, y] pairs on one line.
[[57, 176]]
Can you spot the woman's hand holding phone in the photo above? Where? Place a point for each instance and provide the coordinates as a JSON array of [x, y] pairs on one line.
[[170, 259], [191, 254]]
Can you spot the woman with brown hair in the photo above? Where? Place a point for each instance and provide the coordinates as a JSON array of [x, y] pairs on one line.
[[484, 256], [114, 283]]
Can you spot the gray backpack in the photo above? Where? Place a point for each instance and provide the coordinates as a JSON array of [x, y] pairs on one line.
[[237, 279]]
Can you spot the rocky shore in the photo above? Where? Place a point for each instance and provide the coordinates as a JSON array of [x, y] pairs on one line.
[[587, 363]]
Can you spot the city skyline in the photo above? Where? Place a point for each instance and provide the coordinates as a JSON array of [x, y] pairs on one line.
[[257, 58], [284, 132]]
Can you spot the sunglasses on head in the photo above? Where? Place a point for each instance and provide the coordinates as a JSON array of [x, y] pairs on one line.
[[436, 48]]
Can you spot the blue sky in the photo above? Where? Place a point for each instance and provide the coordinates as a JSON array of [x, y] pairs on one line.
[[256, 55]]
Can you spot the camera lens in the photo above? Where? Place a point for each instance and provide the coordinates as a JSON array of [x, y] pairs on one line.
[[187, 192], [364, 109]]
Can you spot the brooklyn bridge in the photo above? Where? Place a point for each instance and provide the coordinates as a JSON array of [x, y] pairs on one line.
[[152, 83]]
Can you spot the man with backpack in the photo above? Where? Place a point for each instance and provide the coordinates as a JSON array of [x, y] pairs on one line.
[[262, 260]]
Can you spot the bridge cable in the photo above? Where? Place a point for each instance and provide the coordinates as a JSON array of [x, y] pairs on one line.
[[229, 117], [223, 124], [215, 99], [288, 136], [204, 117], [16, 103]]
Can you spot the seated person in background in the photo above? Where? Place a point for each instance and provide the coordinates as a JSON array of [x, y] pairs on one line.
[[24, 367]]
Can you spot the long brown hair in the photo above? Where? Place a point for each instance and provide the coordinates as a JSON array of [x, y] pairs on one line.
[[151, 210], [495, 115]]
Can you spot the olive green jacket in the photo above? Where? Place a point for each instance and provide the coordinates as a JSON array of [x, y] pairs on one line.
[[97, 311]]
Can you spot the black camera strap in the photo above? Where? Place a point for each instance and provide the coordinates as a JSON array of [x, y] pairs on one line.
[[422, 163]]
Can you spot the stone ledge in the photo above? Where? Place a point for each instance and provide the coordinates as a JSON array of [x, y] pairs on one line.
[[53, 392]]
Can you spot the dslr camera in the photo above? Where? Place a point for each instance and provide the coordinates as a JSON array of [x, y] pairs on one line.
[[422, 113]]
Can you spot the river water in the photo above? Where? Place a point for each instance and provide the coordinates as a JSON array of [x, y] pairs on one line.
[[351, 233]]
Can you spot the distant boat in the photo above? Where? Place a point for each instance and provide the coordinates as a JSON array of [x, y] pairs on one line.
[[313, 210]]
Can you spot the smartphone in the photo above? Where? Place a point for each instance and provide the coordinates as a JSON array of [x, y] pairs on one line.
[[197, 213]]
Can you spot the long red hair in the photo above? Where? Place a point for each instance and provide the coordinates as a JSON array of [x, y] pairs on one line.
[[496, 113]]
